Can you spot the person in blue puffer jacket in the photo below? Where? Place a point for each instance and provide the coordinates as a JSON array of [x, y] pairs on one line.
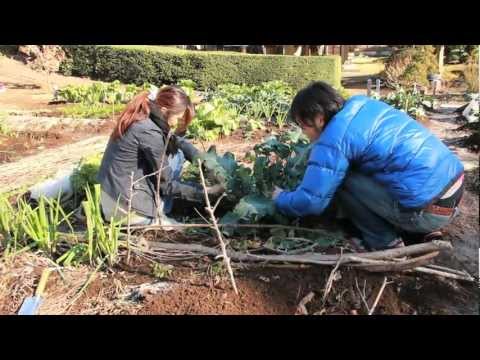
[[388, 174]]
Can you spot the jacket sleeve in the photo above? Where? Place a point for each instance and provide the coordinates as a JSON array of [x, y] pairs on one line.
[[325, 171], [188, 149]]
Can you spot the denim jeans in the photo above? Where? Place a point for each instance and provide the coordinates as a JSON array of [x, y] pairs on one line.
[[378, 216]]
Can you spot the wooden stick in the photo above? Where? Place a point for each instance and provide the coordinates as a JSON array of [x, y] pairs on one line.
[[329, 283], [362, 294], [209, 209], [259, 226], [310, 258], [396, 265], [426, 270], [159, 176], [301, 308], [129, 218], [378, 296]]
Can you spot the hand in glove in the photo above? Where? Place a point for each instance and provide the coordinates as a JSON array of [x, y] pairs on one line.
[[215, 190], [276, 192]]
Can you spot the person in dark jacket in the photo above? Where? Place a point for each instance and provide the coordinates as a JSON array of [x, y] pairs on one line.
[[150, 128], [387, 173]]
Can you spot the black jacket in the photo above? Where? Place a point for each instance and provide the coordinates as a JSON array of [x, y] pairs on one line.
[[139, 151]]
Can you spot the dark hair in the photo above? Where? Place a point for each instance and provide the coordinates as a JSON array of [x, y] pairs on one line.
[[173, 98], [317, 98]]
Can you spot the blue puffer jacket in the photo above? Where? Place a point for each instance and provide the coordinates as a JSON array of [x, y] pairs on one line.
[[379, 141]]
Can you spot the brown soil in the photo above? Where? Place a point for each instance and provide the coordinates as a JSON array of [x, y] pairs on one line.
[[28, 89], [25, 143], [193, 289]]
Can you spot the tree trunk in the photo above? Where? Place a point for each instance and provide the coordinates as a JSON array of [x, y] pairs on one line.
[[441, 55]]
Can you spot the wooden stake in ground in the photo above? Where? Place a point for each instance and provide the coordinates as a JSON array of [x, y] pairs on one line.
[[211, 212]]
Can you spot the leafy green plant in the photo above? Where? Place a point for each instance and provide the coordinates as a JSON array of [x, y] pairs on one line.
[[162, 271], [85, 174], [11, 230], [77, 254], [102, 240], [278, 162], [188, 86], [256, 102], [41, 224], [87, 111], [106, 93], [213, 119], [410, 101], [4, 129]]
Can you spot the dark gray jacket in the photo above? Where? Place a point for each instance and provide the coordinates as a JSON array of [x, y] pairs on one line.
[[139, 151]]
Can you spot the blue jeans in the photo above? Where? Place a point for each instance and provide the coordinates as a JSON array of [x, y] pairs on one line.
[[378, 216]]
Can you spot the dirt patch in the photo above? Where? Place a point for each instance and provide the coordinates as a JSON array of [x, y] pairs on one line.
[[25, 143], [28, 89], [193, 289]]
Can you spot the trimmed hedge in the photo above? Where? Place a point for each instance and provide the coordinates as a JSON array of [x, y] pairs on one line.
[[167, 65]]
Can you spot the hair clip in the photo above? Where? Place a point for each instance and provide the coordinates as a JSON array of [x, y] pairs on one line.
[[152, 95]]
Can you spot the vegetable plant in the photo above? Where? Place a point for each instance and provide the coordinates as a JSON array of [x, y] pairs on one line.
[[102, 240], [41, 224]]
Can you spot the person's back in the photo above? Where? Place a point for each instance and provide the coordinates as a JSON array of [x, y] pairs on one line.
[[387, 171], [394, 149], [124, 156]]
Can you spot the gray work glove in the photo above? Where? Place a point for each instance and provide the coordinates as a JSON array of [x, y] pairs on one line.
[[215, 190]]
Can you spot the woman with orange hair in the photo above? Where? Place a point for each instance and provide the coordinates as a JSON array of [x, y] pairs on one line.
[[152, 126]]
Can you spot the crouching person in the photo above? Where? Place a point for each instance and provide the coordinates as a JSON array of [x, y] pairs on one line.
[[136, 147], [387, 173]]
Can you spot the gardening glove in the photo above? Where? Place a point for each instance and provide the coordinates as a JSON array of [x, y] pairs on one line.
[[187, 191], [215, 190], [276, 192]]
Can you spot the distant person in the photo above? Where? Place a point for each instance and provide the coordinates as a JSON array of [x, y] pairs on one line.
[[388, 174], [137, 145]]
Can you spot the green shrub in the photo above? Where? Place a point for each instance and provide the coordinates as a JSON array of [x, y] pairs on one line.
[[165, 65], [411, 65]]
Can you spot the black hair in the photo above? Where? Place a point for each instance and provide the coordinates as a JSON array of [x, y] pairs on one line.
[[318, 98]]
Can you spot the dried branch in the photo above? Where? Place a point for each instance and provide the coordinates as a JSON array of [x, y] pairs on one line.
[[259, 226], [452, 274], [159, 176], [331, 278], [378, 296], [362, 294], [129, 217], [301, 308], [210, 210], [310, 258]]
